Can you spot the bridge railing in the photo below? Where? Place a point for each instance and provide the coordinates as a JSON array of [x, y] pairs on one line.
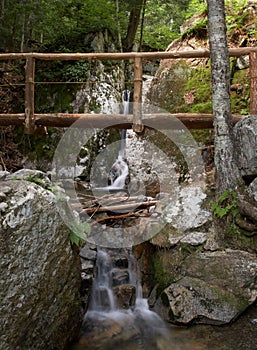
[[33, 121]]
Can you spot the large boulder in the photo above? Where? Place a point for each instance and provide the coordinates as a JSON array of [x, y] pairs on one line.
[[185, 210], [245, 132], [214, 287], [40, 273]]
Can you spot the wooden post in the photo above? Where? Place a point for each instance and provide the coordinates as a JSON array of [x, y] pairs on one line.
[[253, 83], [29, 96], [137, 105]]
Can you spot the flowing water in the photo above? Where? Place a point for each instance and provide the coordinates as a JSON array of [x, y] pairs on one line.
[[120, 171], [118, 316]]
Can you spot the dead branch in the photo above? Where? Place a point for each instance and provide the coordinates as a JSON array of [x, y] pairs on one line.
[[122, 216]]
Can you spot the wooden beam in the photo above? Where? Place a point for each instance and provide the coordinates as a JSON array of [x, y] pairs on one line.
[[233, 52], [116, 121], [253, 82], [12, 119], [29, 95], [137, 105]]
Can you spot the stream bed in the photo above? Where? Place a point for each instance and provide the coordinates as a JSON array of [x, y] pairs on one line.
[[119, 318], [242, 334]]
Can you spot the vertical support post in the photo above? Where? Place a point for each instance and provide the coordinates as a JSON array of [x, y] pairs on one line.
[[29, 96], [253, 83], [137, 105]]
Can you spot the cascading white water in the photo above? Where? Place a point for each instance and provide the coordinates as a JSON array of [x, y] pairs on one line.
[[102, 296], [125, 104], [119, 171], [134, 328]]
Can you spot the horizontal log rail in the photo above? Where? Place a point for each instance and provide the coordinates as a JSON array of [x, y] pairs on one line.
[[201, 53], [34, 122], [117, 121]]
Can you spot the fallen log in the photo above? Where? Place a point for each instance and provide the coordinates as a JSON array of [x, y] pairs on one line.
[[118, 208]]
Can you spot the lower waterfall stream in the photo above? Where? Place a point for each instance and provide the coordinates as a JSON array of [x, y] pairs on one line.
[[118, 316], [112, 323]]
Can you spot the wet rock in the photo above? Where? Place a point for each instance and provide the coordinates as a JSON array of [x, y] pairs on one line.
[[106, 331], [87, 267], [40, 273], [125, 296], [120, 260], [120, 276], [245, 132], [88, 252], [215, 288]]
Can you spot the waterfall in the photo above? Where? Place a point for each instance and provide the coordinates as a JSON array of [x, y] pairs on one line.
[[102, 297], [112, 322], [125, 104], [119, 172]]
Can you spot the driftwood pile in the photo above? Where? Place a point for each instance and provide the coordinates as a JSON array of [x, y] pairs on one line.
[[113, 206]]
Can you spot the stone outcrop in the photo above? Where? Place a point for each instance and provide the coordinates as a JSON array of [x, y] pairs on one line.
[[252, 189], [189, 276], [40, 273], [215, 288], [245, 132]]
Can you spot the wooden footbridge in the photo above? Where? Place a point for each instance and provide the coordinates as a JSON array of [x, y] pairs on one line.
[[34, 121]]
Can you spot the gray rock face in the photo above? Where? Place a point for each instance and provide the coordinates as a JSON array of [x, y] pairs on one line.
[[215, 288], [185, 210], [40, 274], [245, 132], [252, 189]]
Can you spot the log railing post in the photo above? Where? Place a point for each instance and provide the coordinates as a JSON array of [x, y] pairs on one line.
[[253, 82], [137, 103], [29, 96]]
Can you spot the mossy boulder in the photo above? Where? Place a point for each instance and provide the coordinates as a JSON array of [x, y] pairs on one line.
[[40, 304], [214, 287]]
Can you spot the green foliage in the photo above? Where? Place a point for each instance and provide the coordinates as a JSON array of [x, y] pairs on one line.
[[199, 30], [226, 204], [194, 7], [61, 25], [36, 180], [79, 232]]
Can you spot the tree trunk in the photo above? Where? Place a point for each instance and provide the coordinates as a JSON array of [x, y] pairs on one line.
[[227, 173], [134, 19]]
